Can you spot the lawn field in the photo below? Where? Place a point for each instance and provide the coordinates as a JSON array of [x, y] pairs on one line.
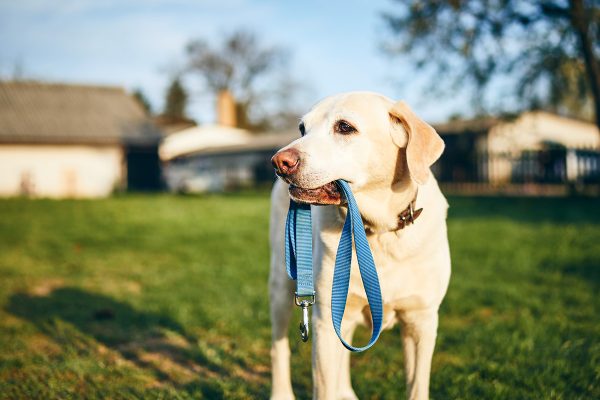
[[165, 297]]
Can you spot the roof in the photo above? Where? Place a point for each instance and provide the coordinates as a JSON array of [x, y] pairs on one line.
[[198, 138], [257, 142], [528, 130], [460, 126], [212, 139], [168, 124], [36, 112]]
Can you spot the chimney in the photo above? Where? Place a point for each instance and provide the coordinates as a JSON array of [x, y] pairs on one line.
[[226, 114]]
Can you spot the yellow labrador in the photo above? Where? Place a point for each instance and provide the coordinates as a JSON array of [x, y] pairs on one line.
[[385, 152]]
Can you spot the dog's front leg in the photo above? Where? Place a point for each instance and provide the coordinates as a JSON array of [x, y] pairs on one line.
[[281, 310], [345, 391], [419, 333], [327, 355]]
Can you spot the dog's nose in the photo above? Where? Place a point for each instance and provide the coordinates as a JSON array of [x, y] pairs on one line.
[[286, 162]]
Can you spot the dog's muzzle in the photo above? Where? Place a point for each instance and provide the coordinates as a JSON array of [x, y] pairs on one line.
[[328, 194]]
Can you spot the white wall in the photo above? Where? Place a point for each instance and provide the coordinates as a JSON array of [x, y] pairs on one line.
[[529, 132], [60, 170], [532, 129]]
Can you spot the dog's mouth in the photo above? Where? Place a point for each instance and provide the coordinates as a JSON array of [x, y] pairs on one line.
[[328, 194]]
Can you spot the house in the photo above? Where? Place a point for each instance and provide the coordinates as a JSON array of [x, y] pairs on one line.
[[64, 140], [215, 158], [170, 124], [219, 157], [535, 146]]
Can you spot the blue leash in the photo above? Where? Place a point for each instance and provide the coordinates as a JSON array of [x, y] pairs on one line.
[[298, 260]]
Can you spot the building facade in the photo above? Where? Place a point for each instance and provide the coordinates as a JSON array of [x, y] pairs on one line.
[[536, 147], [59, 140]]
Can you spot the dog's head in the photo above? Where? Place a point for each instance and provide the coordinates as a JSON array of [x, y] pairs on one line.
[[363, 138]]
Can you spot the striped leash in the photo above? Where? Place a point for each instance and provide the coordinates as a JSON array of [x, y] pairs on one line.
[[298, 260]]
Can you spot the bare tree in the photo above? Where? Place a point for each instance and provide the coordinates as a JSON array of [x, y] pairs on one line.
[[552, 48], [247, 68]]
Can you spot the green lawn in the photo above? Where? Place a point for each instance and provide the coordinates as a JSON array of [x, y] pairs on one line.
[[166, 297]]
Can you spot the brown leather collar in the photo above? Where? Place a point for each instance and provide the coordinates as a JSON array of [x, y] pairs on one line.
[[405, 218], [409, 215]]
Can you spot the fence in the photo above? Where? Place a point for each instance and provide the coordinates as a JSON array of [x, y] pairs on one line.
[[567, 168]]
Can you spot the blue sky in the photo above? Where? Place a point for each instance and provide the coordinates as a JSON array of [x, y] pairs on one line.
[[135, 43]]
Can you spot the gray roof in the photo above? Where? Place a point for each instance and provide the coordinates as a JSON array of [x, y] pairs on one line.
[[36, 112], [475, 126]]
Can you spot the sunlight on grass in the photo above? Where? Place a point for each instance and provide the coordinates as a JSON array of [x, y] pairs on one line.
[[166, 297]]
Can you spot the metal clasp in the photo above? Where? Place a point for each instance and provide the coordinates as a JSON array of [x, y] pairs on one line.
[[411, 213], [304, 302]]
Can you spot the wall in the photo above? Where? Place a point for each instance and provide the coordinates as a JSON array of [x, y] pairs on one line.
[[60, 170], [220, 171], [534, 131]]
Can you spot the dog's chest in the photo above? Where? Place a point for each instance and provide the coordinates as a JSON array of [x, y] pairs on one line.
[[397, 266], [402, 261], [396, 258]]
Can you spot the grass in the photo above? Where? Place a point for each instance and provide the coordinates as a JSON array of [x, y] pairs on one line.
[[166, 297]]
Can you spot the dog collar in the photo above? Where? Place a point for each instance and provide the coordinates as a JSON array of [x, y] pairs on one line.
[[406, 217], [409, 215]]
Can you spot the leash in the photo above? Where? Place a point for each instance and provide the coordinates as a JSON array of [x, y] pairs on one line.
[[298, 260]]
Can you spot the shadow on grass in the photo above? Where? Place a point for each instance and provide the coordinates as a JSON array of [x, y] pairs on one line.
[[93, 323], [526, 209]]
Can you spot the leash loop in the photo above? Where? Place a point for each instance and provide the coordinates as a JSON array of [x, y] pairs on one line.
[[354, 229], [298, 260]]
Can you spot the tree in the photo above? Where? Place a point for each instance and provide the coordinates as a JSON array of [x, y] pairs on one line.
[[248, 69], [176, 100], [141, 98], [550, 48]]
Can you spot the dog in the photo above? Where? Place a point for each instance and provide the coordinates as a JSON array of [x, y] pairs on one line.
[[384, 151]]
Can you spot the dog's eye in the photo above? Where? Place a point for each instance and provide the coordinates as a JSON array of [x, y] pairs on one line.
[[343, 127], [302, 129]]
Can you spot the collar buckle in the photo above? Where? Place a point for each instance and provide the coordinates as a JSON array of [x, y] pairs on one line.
[[408, 216]]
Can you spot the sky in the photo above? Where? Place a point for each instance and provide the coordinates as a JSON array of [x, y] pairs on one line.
[[335, 45]]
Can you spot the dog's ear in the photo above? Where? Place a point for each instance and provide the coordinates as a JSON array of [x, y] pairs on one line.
[[423, 145]]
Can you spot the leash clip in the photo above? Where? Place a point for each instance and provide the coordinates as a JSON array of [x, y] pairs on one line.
[[304, 302]]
